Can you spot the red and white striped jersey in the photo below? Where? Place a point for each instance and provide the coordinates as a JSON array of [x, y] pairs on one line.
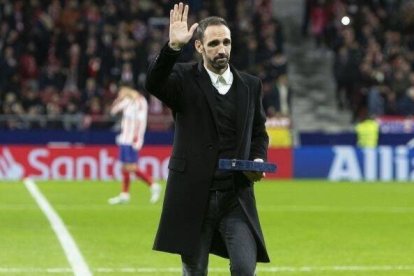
[[134, 120]]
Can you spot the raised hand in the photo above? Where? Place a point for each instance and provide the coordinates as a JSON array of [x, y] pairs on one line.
[[179, 32]]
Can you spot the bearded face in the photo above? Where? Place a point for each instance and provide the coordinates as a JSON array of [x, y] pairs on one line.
[[215, 48]]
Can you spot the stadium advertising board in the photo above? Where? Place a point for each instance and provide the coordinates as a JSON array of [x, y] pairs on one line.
[[98, 162], [283, 158], [396, 124], [385, 163], [68, 163]]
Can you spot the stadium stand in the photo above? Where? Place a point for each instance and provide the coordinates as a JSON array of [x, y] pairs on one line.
[[61, 60], [347, 59], [374, 61]]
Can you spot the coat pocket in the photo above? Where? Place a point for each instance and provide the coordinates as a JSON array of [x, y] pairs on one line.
[[177, 164]]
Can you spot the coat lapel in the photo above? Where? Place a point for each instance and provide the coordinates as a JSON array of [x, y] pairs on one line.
[[242, 107], [204, 81]]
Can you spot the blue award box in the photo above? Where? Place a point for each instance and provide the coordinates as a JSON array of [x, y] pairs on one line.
[[246, 165]]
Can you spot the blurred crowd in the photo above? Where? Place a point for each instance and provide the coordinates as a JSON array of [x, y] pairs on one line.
[[373, 41], [62, 60]]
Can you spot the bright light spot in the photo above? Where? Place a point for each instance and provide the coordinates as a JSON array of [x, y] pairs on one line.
[[345, 20]]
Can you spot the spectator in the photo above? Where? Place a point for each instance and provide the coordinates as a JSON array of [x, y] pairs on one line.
[[374, 54], [66, 45], [276, 100]]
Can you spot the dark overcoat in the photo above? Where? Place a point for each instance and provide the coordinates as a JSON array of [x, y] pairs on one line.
[[187, 89]]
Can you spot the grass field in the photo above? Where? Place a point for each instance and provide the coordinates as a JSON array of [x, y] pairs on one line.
[[310, 227]]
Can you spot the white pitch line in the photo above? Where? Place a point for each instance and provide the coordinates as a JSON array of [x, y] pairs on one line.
[[278, 208], [293, 269], [335, 209], [72, 252], [303, 269]]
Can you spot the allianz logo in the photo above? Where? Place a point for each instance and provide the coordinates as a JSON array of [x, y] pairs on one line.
[[383, 163]]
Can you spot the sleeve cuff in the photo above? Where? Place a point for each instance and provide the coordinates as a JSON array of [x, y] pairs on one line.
[[170, 51]]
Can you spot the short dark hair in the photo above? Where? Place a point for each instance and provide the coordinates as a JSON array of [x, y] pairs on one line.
[[208, 21]]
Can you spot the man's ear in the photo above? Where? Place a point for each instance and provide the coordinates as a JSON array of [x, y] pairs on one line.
[[199, 46]]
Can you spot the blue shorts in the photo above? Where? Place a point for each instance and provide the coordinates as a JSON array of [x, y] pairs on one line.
[[127, 154]]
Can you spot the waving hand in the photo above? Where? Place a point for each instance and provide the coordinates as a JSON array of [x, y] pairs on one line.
[[179, 32]]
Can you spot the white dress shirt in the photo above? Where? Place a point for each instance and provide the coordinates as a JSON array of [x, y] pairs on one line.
[[221, 82]]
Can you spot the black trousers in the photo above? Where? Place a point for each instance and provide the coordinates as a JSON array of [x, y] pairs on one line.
[[225, 214]]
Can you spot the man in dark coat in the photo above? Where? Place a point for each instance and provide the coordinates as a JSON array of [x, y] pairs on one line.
[[218, 114]]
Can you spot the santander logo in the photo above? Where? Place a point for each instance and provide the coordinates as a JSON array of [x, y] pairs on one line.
[[74, 163]]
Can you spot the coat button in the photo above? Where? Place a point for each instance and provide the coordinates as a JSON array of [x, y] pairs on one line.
[[210, 146]]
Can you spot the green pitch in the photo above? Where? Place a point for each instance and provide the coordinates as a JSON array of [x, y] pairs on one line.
[[310, 227]]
